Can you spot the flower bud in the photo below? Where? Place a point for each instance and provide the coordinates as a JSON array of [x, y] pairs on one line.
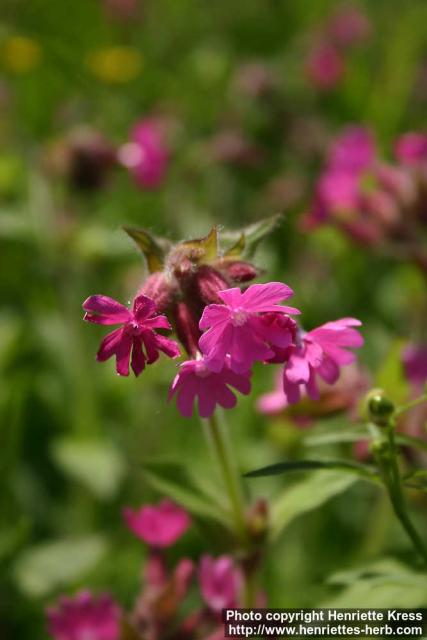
[[379, 408], [186, 327], [238, 271], [159, 288], [207, 282]]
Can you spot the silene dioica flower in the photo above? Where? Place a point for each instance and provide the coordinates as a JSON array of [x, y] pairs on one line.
[[221, 321]]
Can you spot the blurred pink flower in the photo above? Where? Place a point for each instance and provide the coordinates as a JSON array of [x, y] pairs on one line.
[[158, 525], [349, 26], [196, 380], [354, 150], [158, 604], [232, 146], [236, 329], [411, 148], [139, 328], [220, 582], [146, 155], [84, 616], [320, 352], [415, 364], [324, 66]]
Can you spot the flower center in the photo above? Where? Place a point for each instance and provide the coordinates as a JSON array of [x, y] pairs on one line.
[[201, 370], [239, 317], [133, 328]]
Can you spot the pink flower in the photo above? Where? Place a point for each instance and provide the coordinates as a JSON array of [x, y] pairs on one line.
[[159, 526], [353, 150], [139, 328], [220, 582], [320, 352], [411, 148], [236, 329], [84, 616], [146, 156], [325, 66], [196, 380]]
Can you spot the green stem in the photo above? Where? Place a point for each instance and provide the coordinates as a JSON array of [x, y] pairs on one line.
[[229, 474], [232, 483], [398, 499], [410, 405]]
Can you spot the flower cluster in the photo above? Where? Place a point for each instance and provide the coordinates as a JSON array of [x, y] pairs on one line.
[[224, 329], [244, 327], [371, 200], [156, 612]]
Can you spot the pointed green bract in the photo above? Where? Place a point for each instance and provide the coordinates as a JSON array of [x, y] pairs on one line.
[[246, 240], [150, 246]]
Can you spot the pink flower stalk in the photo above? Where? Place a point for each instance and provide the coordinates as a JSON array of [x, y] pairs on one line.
[[220, 582], [158, 525], [236, 328], [196, 380], [411, 148], [146, 155], [139, 328], [321, 352], [84, 617], [325, 66]]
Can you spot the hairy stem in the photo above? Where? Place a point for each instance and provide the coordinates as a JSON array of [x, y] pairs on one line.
[[221, 449]]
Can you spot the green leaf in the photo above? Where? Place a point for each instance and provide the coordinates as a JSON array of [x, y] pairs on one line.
[[44, 568], [249, 237], [350, 435], [411, 441], [197, 503], [383, 584], [150, 246], [97, 464], [305, 465], [308, 494]]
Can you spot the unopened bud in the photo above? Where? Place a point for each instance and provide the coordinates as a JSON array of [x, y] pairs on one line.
[[239, 271], [207, 282], [380, 409], [186, 327], [158, 287]]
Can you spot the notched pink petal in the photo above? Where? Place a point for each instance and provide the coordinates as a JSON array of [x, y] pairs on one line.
[[106, 306]]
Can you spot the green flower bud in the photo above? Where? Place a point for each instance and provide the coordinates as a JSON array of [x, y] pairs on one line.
[[379, 408]]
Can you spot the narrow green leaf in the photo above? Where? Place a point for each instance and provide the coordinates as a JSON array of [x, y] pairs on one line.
[[197, 503], [310, 493], [305, 465]]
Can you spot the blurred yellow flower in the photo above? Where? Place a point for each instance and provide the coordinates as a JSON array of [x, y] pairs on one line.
[[115, 64], [20, 54]]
